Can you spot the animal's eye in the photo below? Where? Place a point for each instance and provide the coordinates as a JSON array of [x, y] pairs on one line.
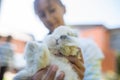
[[72, 34], [68, 34], [75, 35]]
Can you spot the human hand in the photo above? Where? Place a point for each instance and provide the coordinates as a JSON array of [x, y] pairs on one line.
[[50, 71], [78, 65], [48, 74]]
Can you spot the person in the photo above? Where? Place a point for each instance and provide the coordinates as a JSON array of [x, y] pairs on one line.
[[1, 39], [51, 13], [0, 44], [6, 56]]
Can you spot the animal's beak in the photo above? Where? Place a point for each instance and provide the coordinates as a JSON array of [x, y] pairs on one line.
[[63, 36]]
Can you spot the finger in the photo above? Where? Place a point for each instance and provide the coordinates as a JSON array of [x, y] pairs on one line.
[[81, 58], [39, 74], [61, 76], [77, 62], [51, 73], [75, 58], [80, 72]]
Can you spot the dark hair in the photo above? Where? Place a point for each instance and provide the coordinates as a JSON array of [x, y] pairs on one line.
[[9, 38], [37, 1], [0, 36]]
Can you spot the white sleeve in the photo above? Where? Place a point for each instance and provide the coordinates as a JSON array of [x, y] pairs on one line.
[[93, 71], [92, 57]]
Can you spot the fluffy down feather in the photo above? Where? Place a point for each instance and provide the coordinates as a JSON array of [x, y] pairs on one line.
[[63, 40]]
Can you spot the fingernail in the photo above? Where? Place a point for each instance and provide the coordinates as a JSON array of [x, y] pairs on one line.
[[54, 68], [62, 74]]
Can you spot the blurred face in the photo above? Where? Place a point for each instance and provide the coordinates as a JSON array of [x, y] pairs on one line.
[[51, 13]]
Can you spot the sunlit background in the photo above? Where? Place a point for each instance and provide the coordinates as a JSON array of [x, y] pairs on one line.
[[18, 19], [18, 15]]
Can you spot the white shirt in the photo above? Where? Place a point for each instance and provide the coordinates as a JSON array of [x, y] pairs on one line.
[[93, 56]]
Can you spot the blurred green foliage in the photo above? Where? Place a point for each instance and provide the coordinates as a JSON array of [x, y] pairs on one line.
[[118, 63]]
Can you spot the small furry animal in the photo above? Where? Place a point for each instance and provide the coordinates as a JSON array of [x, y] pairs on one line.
[[63, 40]]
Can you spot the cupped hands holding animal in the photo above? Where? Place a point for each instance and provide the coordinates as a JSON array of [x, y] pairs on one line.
[[50, 72]]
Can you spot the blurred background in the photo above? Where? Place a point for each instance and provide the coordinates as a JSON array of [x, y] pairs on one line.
[[98, 20]]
